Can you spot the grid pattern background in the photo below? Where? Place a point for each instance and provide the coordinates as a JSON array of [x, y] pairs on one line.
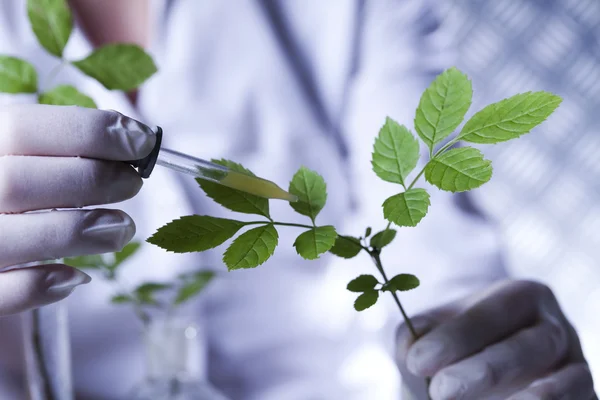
[[545, 192]]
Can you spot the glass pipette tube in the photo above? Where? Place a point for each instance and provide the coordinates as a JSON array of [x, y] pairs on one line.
[[203, 169]]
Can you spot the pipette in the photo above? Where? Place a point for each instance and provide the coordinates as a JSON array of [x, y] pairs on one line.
[[203, 169]]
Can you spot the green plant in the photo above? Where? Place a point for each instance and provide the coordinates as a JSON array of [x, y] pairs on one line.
[[395, 156], [147, 296], [117, 66]]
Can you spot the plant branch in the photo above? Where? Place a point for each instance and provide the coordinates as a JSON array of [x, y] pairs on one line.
[[377, 261], [38, 350]]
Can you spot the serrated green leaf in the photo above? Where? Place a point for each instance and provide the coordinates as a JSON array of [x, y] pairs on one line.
[[364, 283], [383, 238], [52, 23], [235, 200], [66, 95], [459, 170], [509, 118], [443, 106], [395, 153], [366, 300], [118, 66], [194, 286], [128, 251], [194, 233], [311, 190], [252, 248], [312, 243], [93, 261], [408, 208], [121, 299], [346, 247], [17, 76], [401, 283]]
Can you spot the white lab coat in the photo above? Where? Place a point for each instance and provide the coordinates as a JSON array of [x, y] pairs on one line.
[[231, 85]]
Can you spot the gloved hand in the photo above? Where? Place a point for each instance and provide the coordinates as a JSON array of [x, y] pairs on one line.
[[62, 157], [512, 341]]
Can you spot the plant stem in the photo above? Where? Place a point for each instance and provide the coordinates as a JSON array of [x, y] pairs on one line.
[[377, 261], [38, 350], [279, 223]]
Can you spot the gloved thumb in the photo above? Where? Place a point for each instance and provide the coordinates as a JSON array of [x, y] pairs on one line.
[[25, 288]]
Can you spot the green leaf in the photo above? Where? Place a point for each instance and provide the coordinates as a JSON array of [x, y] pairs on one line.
[[408, 208], [118, 66], [368, 232], [346, 247], [458, 170], [311, 190], [509, 118], [194, 286], [395, 153], [364, 283], [235, 200], [312, 243], [194, 233], [52, 23], [252, 248], [91, 261], [17, 76], [145, 292], [128, 251], [122, 299], [366, 300], [66, 95], [401, 283], [383, 238], [443, 106]]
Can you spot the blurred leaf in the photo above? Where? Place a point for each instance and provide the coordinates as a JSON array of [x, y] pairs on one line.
[[194, 233], [401, 282], [509, 118], [251, 248], [235, 200], [443, 106], [194, 286], [52, 23], [66, 95], [408, 208], [395, 153], [145, 292], [122, 299], [17, 76], [311, 190], [383, 238], [91, 261], [364, 283], [128, 251], [366, 300], [312, 243], [459, 170], [368, 232], [118, 66], [346, 247]]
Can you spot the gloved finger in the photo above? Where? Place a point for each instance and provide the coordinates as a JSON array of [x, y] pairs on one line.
[[51, 235], [526, 355], [422, 324], [44, 130], [26, 288], [38, 183], [502, 312], [572, 382]]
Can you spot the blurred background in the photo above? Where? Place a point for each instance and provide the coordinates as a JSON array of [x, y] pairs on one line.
[[545, 192]]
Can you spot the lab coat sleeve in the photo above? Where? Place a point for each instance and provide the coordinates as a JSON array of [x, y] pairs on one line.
[[455, 249]]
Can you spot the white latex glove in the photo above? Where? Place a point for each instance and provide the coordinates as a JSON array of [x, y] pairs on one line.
[[62, 157], [511, 341]]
